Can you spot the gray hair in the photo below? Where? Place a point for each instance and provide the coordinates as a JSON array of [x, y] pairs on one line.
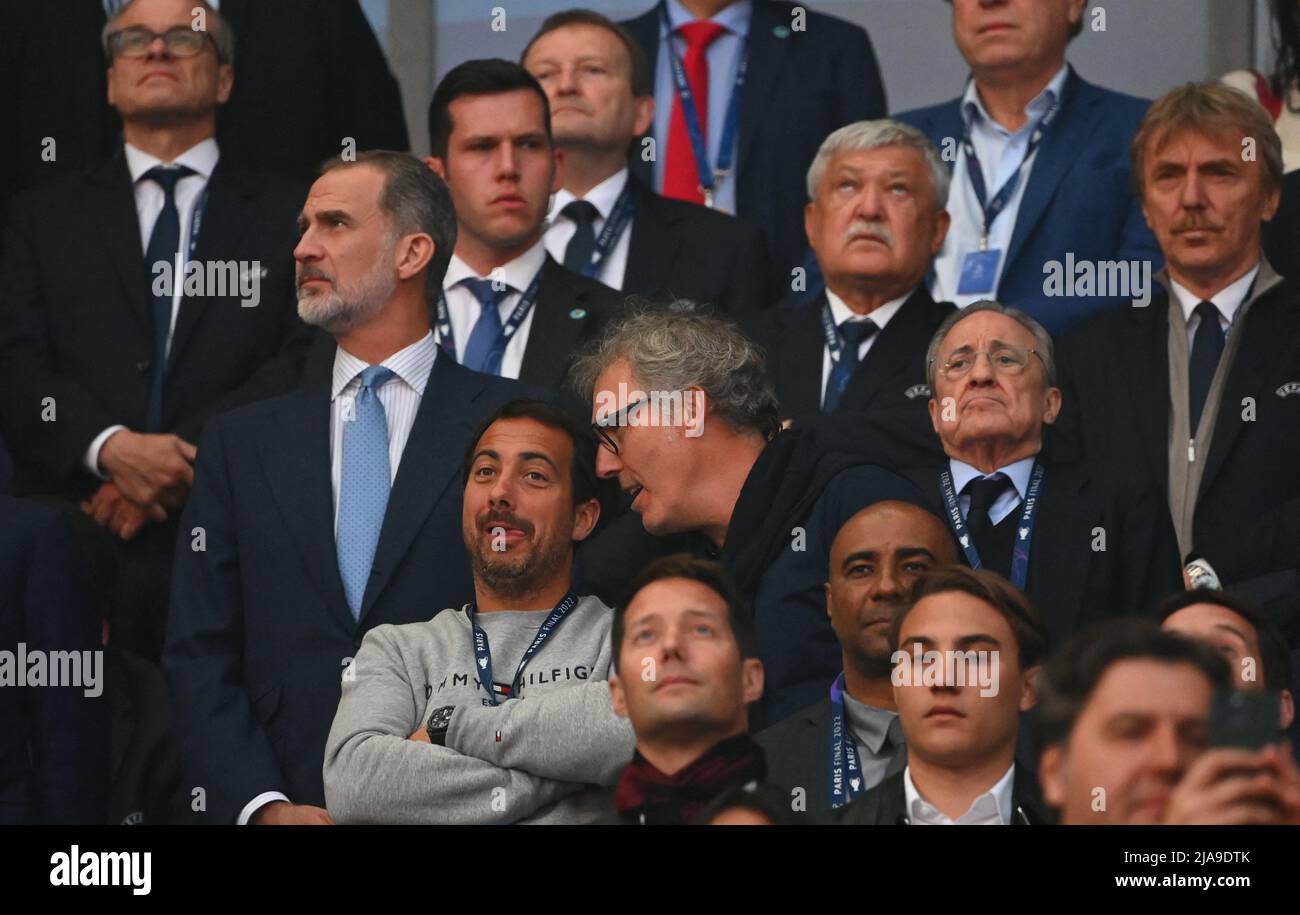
[[223, 36], [1042, 339], [679, 347], [415, 201], [865, 135]]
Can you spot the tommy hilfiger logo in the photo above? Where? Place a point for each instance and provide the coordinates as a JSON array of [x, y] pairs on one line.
[[1291, 387]]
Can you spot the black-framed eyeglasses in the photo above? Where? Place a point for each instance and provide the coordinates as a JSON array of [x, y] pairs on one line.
[[180, 41], [615, 421], [1005, 358]]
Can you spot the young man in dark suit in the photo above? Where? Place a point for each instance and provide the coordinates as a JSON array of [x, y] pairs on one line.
[[875, 219], [967, 652], [851, 740], [606, 222], [805, 75], [1197, 394], [1048, 145], [111, 359], [506, 308], [323, 513]]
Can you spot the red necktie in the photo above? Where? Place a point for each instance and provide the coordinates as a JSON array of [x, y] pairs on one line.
[[681, 179]]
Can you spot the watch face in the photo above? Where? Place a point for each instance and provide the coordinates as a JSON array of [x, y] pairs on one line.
[[440, 718]]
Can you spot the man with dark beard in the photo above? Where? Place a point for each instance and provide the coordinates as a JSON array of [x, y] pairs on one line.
[[851, 740], [457, 720], [321, 514]]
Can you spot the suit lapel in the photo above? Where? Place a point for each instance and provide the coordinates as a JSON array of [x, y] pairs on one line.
[[112, 200], [555, 332], [765, 62], [894, 352], [227, 214], [1058, 151], [797, 355], [1148, 341], [1268, 327], [296, 458], [427, 469], [1059, 587], [652, 247]]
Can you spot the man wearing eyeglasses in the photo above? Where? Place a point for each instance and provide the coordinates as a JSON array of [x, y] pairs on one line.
[[1080, 548], [138, 299]]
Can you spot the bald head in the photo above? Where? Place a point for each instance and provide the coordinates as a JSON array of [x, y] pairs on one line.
[[875, 557]]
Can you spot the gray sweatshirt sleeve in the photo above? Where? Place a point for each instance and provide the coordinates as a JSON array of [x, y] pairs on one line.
[[375, 774]]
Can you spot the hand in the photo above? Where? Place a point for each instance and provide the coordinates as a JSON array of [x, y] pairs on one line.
[[1215, 790], [421, 735], [123, 517], [282, 813], [153, 470]]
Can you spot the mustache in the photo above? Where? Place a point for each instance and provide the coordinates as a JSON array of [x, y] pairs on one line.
[[863, 229], [490, 519], [312, 273], [1195, 221]]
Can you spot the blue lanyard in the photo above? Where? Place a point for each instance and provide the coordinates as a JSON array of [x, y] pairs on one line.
[[709, 177], [846, 774], [196, 220], [447, 339], [992, 208], [483, 654], [614, 226], [1024, 531]]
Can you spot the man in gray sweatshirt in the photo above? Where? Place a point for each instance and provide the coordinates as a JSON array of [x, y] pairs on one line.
[[497, 712]]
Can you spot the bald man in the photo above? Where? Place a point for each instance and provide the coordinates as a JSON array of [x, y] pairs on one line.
[[837, 749]]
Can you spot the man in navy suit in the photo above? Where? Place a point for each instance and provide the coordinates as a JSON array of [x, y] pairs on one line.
[[806, 74], [53, 738], [318, 515], [1040, 170]]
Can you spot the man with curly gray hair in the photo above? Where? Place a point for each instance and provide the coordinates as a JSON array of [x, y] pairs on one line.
[[688, 425]]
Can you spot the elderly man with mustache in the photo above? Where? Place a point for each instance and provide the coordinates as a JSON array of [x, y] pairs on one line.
[[875, 220]]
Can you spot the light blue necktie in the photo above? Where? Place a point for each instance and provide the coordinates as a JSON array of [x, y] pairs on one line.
[[363, 491], [487, 341]]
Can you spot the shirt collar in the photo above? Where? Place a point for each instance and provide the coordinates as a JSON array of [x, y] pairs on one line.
[[734, 18], [1018, 473], [880, 316], [517, 274], [972, 104], [868, 723], [1000, 795], [1227, 300], [412, 364], [202, 158], [603, 196]]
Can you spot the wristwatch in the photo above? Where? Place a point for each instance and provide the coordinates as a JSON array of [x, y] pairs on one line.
[[439, 721]]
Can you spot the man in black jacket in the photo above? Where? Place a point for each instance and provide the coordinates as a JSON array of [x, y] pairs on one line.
[[853, 734], [967, 652], [607, 223], [1196, 396], [111, 359]]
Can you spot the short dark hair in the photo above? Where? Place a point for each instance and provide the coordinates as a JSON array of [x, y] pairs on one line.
[[583, 471], [990, 587], [1071, 677], [489, 76], [1274, 657], [708, 573], [415, 200], [639, 67], [764, 799]]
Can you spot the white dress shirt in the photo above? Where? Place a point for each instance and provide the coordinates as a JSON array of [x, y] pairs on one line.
[[149, 199], [560, 229], [1227, 300], [841, 313], [400, 396], [464, 308], [994, 807], [999, 152], [1018, 473]]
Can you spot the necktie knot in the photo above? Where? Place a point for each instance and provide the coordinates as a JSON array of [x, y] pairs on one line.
[[488, 292], [854, 332], [1210, 314], [374, 377], [700, 33], [984, 491], [581, 212], [167, 176]]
